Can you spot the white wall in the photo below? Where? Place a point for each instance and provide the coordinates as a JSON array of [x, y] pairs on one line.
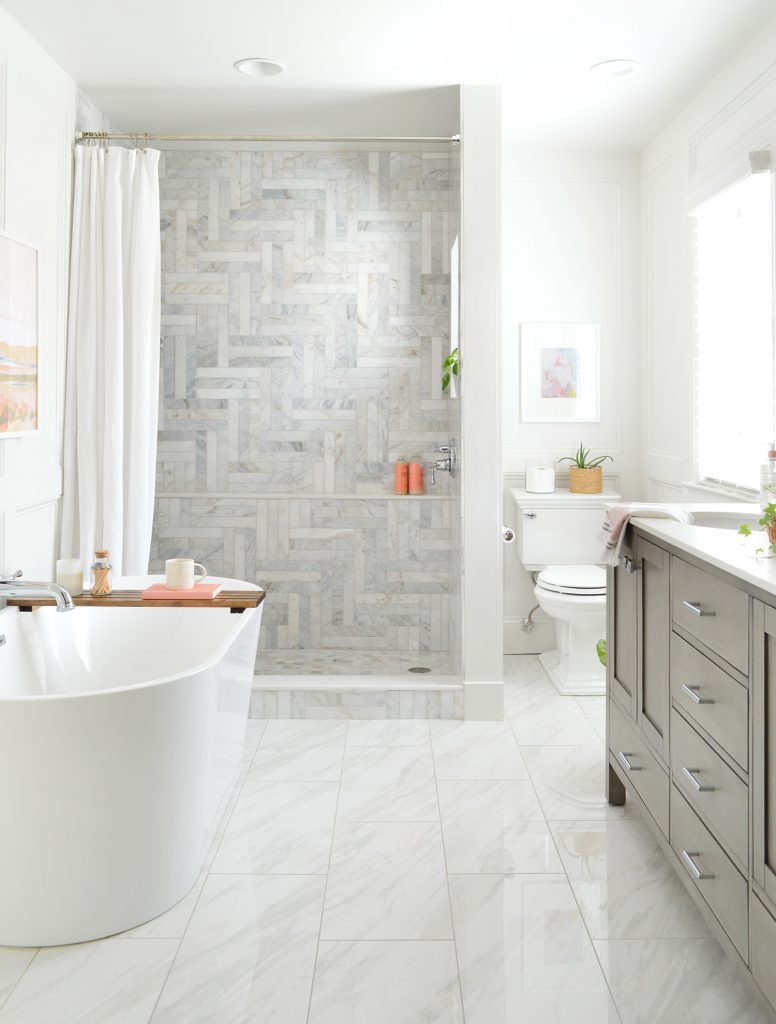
[[480, 405], [570, 254], [37, 110], [703, 145]]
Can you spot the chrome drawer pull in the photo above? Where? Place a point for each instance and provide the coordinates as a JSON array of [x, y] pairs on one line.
[[693, 692], [697, 609], [700, 876], [700, 787], [623, 759]]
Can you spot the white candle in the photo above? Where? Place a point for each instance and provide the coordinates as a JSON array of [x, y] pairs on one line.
[[70, 575], [540, 479]]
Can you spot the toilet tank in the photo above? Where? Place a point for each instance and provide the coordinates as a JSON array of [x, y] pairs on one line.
[[560, 528]]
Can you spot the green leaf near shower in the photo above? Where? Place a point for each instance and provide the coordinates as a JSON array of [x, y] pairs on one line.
[[451, 366]]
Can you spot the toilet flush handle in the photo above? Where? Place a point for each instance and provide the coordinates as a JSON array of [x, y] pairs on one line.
[[529, 515]]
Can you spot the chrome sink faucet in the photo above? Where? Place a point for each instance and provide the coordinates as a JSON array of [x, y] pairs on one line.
[[449, 461], [12, 586]]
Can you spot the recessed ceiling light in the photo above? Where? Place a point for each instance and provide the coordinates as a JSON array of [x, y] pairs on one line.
[[620, 68], [259, 66]]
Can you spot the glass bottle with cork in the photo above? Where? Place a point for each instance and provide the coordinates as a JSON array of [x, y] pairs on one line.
[[101, 567]]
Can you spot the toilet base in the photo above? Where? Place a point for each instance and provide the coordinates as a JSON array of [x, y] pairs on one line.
[[553, 665]]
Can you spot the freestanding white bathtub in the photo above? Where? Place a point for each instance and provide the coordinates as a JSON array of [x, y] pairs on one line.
[[121, 732]]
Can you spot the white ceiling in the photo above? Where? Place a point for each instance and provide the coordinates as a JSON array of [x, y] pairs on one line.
[[387, 66]]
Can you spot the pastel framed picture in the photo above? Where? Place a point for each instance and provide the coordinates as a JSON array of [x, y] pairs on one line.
[[560, 373], [19, 383]]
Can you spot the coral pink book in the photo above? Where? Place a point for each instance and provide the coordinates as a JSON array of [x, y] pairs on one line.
[[199, 592]]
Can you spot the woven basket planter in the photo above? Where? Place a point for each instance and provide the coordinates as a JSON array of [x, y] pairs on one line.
[[586, 481], [772, 533]]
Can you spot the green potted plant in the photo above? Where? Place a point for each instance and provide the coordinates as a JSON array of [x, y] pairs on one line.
[[768, 522], [585, 473]]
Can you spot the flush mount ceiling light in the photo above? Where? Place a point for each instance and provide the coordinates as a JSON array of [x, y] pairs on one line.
[[620, 68], [260, 67]]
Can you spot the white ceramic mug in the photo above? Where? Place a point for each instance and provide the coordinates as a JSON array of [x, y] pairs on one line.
[[180, 575]]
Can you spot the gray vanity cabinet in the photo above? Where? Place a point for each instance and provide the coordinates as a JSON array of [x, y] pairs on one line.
[[762, 902], [639, 634], [691, 731], [764, 751], [640, 638], [622, 649], [654, 643]]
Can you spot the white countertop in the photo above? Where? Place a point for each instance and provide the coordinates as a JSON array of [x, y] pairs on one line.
[[724, 548]]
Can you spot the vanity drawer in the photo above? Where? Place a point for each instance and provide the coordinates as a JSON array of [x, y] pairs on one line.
[[725, 803], [711, 610], [713, 873], [711, 698], [639, 765]]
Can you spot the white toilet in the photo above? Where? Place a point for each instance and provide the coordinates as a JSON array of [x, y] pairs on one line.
[[559, 536]]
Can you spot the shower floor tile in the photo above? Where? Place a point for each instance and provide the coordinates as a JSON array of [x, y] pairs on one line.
[[393, 872]]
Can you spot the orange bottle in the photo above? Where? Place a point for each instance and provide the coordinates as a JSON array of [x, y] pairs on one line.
[[400, 477]]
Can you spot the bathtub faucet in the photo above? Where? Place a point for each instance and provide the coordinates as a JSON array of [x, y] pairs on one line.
[[12, 586]]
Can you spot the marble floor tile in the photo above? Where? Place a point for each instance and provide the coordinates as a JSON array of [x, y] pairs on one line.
[[279, 828], [113, 981], [625, 885], [13, 963], [311, 762], [677, 981], [248, 954], [525, 670], [594, 708], [301, 733], [387, 880], [388, 733], [524, 953], [570, 782], [495, 827], [388, 784], [552, 722], [476, 750], [386, 983], [254, 731]]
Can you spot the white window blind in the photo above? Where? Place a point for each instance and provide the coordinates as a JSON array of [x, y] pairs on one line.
[[735, 368]]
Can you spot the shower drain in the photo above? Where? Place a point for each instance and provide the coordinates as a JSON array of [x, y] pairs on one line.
[[419, 669]]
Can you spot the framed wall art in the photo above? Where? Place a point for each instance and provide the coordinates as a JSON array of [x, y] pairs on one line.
[[19, 392], [560, 373]]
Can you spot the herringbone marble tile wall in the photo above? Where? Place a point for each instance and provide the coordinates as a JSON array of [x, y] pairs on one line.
[[306, 309]]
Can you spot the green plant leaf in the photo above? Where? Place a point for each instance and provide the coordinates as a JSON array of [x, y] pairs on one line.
[[445, 381], [744, 530], [600, 650], [581, 459]]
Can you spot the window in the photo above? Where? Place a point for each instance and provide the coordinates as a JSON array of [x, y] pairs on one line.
[[735, 360]]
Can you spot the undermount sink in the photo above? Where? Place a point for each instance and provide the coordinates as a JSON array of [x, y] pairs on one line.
[[727, 518]]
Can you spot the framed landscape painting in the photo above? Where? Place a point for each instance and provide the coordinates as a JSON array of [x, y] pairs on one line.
[[559, 373], [18, 338]]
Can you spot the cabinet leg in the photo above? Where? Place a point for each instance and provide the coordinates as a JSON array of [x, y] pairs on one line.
[[615, 791]]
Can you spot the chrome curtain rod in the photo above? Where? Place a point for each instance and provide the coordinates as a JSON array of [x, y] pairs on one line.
[[152, 137]]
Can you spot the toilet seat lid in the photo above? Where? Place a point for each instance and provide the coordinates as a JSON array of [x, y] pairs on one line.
[[584, 580]]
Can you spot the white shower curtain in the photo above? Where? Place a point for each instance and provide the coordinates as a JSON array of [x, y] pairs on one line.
[[111, 392]]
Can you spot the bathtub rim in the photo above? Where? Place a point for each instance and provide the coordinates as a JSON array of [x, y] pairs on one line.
[[221, 650]]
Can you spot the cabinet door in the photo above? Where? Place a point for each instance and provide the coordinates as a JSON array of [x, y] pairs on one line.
[[622, 633], [764, 750], [654, 643]]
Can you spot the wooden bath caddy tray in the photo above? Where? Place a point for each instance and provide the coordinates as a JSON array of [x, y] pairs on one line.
[[236, 600]]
